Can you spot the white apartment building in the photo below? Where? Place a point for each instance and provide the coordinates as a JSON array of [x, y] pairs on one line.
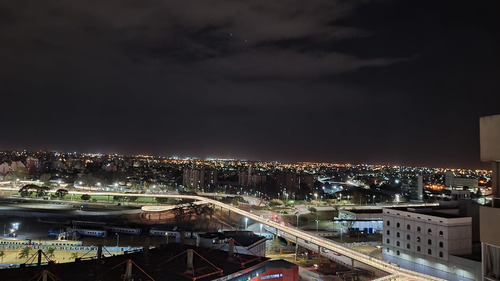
[[429, 241]]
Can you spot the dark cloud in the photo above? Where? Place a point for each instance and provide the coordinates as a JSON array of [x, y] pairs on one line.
[[360, 81]]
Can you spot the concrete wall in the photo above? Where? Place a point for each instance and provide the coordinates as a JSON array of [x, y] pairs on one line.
[[453, 269], [489, 127], [490, 226]]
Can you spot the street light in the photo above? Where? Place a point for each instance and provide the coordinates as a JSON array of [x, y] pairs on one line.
[[117, 239], [317, 231], [261, 229], [246, 223], [298, 214], [316, 195]]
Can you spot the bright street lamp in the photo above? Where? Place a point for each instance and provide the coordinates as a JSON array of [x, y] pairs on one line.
[[316, 195]]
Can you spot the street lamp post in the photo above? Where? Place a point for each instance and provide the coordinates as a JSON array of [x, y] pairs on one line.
[[246, 223], [261, 229], [317, 229], [298, 214], [117, 239], [316, 196]]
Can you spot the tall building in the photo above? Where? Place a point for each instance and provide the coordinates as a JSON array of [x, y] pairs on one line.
[[193, 177], [489, 127], [451, 181]]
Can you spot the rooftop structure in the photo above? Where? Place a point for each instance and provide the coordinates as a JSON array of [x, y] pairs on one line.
[[169, 262]]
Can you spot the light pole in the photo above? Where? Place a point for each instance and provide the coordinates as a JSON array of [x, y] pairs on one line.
[[316, 196], [246, 223], [317, 230], [340, 226], [261, 229], [117, 239], [298, 214]]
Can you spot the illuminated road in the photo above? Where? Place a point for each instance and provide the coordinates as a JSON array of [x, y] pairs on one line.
[[404, 274], [401, 273]]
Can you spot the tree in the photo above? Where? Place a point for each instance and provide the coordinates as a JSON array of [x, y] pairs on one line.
[[50, 252], [41, 191], [28, 190], [85, 197], [60, 193], [2, 254], [275, 202], [25, 252], [45, 178]]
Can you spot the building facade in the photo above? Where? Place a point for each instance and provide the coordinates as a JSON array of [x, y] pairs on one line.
[[489, 127], [430, 242]]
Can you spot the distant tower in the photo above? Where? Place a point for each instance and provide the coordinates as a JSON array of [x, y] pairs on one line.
[[420, 188]]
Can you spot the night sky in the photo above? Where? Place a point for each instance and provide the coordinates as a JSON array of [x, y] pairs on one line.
[[400, 82]]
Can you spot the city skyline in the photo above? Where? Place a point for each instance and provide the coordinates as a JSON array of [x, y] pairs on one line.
[[378, 82]]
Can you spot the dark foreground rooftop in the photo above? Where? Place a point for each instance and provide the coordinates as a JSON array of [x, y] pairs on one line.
[[169, 262]]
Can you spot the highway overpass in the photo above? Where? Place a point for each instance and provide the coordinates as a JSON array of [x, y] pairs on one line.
[[394, 271]]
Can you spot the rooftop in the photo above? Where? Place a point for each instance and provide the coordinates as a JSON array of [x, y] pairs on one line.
[[168, 260]]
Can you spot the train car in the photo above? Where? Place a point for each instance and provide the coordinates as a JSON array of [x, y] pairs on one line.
[[68, 243], [162, 232], [13, 241], [88, 223], [124, 230], [91, 232]]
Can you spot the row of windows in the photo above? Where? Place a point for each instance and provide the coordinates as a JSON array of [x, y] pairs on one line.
[[429, 242], [429, 252], [408, 227]]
